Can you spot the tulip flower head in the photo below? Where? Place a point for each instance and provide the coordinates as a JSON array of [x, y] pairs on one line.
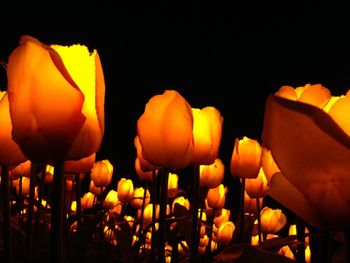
[[125, 189], [101, 173], [210, 176]]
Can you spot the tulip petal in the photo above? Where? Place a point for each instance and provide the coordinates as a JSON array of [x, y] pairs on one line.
[[45, 107], [100, 93], [10, 153], [313, 153]]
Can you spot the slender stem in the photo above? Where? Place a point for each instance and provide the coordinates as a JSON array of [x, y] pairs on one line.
[[162, 215], [38, 211], [142, 209], [194, 245], [301, 240], [242, 209], [78, 200], [6, 213], [29, 240], [259, 221], [154, 201], [20, 201], [71, 197], [211, 222], [57, 213]]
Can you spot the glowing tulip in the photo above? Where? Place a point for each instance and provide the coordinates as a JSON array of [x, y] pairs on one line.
[[143, 175], [182, 247], [272, 220], [143, 163], [87, 201], [246, 158], [125, 189], [216, 197], [10, 153], [165, 131], [49, 171], [148, 212], [173, 181], [138, 198], [207, 128], [181, 201], [94, 189], [102, 173], [316, 94], [257, 187], [83, 165], [313, 154], [41, 79], [268, 164], [250, 205], [111, 199], [210, 176], [224, 217], [225, 232]]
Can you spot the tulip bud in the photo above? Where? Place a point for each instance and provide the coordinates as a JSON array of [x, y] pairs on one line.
[[257, 187], [216, 197], [111, 199], [102, 173], [87, 201], [138, 198], [272, 220], [211, 175], [181, 201], [225, 232], [125, 190]]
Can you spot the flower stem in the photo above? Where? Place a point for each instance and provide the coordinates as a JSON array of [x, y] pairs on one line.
[[259, 221], [242, 209], [78, 200], [301, 240], [6, 213], [29, 238], [162, 215], [154, 201], [194, 245], [57, 214]]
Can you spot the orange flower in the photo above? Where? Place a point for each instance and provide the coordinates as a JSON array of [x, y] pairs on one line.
[[142, 174], [210, 176], [268, 164], [313, 153], [138, 198], [10, 153], [102, 173], [165, 131], [173, 181], [111, 199], [125, 190], [207, 128], [216, 197], [181, 201], [257, 187], [225, 232], [21, 170], [148, 212], [41, 80], [250, 205], [246, 158], [87, 201], [272, 220]]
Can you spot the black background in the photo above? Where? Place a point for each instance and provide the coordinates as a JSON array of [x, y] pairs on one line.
[[230, 56]]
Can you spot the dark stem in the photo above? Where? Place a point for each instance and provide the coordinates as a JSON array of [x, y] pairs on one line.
[[211, 222], [194, 245], [301, 240], [6, 214], [57, 213], [78, 200], [259, 221], [20, 198], [29, 239], [38, 211], [242, 209], [71, 197], [162, 215], [154, 201]]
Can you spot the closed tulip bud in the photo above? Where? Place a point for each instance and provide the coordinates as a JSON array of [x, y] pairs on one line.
[[272, 220], [268, 164], [130, 220], [257, 187], [246, 158], [73, 206], [225, 232], [216, 197], [138, 198], [94, 189], [207, 128], [165, 130], [182, 247], [201, 250], [307, 254], [125, 190], [211, 176], [224, 217], [143, 175], [250, 204], [181, 201], [148, 212], [102, 173], [173, 181], [204, 241], [111, 199], [87, 201]]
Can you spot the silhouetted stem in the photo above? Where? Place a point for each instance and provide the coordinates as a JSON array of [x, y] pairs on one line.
[[78, 200], [194, 245], [259, 221], [20, 199], [162, 215], [242, 209], [6, 214], [38, 211], [211, 222], [57, 213], [154, 198], [301, 240], [31, 210]]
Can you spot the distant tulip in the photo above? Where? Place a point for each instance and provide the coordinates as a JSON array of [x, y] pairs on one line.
[[125, 189], [102, 173], [87, 201], [138, 198], [111, 199], [246, 158], [181, 201], [257, 187], [225, 232], [41, 80], [143, 175], [272, 220], [210, 176], [224, 217], [10, 153], [96, 190], [147, 214], [165, 131], [173, 181], [216, 197], [207, 128]]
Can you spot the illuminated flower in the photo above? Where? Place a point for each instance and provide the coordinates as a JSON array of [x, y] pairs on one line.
[[207, 128], [165, 131], [246, 158], [210, 176], [21, 170], [96, 190], [257, 187], [142, 174], [125, 189], [173, 181], [56, 96], [102, 173], [142, 162], [87, 201], [293, 231], [313, 152], [148, 212], [268, 164], [181, 201], [111, 199], [216, 197], [10, 153], [225, 232], [250, 205], [138, 198], [272, 220], [224, 217]]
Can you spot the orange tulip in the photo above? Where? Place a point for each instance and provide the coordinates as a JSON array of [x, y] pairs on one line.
[[216, 197], [272, 220], [111, 199], [138, 198], [125, 189], [10, 153], [181, 201], [313, 153], [250, 205], [210, 176], [102, 173], [225, 232], [143, 163], [257, 187], [148, 212], [96, 190], [41, 80], [173, 181], [165, 131], [87, 201], [246, 158], [83, 165], [224, 217], [207, 128], [268, 164]]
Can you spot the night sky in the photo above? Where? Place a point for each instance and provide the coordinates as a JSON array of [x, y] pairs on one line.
[[227, 56]]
